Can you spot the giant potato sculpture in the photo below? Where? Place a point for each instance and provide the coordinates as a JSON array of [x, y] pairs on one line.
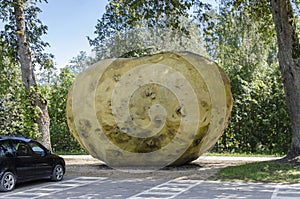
[[154, 111]]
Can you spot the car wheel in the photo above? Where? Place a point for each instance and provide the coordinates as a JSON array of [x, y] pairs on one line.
[[8, 182], [57, 173]]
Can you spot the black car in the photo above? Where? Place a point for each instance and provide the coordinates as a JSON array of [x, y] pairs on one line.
[[23, 159]]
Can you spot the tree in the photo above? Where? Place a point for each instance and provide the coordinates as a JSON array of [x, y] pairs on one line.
[[23, 31], [259, 122], [80, 63], [10, 114], [135, 28], [60, 136], [279, 14], [289, 61]]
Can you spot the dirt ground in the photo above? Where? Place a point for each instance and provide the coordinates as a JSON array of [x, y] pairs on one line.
[[200, 169]]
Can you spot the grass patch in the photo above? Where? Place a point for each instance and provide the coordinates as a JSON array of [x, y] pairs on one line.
[[268, 171], [243, 154]]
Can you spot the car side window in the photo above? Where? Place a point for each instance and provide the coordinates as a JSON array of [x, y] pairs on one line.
[[5, 149], [2, 154], [37, 148], [23, 149]]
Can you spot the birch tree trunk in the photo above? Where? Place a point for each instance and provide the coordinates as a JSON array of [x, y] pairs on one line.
[[289, 62], [28, 77]]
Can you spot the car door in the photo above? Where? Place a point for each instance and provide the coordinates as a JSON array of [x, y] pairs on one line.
[[42, 161], [25, 165], [7, 156]]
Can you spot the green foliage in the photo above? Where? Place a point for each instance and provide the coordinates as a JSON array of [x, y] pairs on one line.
[[34, 32], [259, 122], [80, 63], [18, 112], [16, 117], [60, 135], [9, 103], [138, 28]]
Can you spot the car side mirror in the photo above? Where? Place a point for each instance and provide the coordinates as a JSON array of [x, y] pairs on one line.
[[49, 152]]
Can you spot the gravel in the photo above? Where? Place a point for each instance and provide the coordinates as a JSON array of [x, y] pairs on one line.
[[200, 169]]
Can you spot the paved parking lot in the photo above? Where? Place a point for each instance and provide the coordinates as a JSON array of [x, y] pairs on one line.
[[113, 188]]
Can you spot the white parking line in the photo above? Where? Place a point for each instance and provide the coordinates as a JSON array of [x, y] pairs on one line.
[[52, 188], [286, 192], [169, 189]]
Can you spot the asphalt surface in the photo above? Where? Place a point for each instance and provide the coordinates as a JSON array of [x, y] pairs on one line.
[[112, 188], [139, 188]]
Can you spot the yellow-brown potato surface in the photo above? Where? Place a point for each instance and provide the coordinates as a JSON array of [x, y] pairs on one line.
[[157, 110]]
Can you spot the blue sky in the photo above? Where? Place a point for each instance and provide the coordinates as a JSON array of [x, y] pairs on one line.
[[69, 23]]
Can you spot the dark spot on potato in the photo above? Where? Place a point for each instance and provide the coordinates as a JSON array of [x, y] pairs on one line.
[[84, 127]]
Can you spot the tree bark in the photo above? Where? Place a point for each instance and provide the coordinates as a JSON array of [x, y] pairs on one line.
[[289, 63], [28, 77]]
